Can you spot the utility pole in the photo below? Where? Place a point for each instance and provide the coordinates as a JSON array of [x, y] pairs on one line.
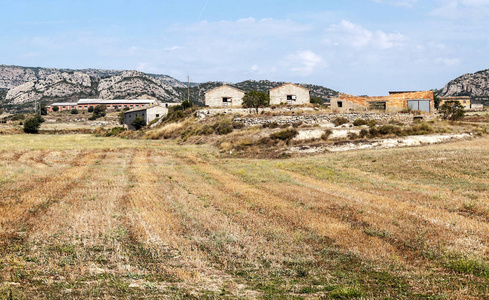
[[188, 89]]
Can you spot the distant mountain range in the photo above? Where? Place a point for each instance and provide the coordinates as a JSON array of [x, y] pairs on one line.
[[21, 86]]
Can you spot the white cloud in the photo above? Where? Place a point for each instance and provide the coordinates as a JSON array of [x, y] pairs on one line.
[[304, 62], [347, 33]]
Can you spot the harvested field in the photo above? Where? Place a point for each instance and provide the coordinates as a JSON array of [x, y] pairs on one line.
[[87, 217]]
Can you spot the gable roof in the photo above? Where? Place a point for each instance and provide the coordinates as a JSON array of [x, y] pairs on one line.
[[225, 85], [290, 83]]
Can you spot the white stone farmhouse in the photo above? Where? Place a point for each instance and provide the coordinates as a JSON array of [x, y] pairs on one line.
[[147, 113], [224, 96], [290, 94]]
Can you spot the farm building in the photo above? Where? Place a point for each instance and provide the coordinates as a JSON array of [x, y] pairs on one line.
[[289, 94], [464, 100], [84, 104], [396, 101], [224, 96], [62, 106], [147, 113]]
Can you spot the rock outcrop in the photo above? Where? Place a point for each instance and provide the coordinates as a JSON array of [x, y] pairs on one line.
[[475, 85], [73, 86], [133, 84]]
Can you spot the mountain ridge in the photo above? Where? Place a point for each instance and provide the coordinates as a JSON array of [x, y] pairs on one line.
[[21, 86]]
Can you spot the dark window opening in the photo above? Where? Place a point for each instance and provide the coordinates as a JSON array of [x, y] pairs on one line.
[[226, 101], [340, 104], [377, 105], [157, 115]]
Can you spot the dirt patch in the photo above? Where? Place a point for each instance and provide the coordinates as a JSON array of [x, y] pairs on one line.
[[408, 141]]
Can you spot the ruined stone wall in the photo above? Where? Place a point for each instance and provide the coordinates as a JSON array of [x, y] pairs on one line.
[[328, 118]]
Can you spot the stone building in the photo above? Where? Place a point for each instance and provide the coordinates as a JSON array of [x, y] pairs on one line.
[[464, 100], [224, 96], [289, 94], [395, 102], [84, 104], [147, 113]]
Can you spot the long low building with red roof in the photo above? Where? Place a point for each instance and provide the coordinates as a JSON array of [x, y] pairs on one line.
[[84, 104]]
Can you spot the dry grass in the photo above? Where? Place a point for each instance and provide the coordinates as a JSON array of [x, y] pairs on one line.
[[88, 217]]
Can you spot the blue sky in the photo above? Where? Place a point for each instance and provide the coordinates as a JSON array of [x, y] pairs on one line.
[[353, 46]]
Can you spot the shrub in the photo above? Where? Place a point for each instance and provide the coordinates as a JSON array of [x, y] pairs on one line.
[[317, 100], [363, 133], [372, 123], [186, 104], [452, 110], [373, 132], [39, 118], [55, 108], [419, 129], [205, 130], [388, 129], [238, 125], [138, 122], [74, 111], [126, 108], [340, 121], [284, 135], [360, 122], [326, 134], [115, 131], [352, 135], [223, 126], [17, 117], [297, 124], [90, 109], [32, 125]]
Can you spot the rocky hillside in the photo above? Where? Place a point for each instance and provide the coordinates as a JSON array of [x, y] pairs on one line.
[[197, 92], [75, 85], [12, 76], [21, 86], [475, 85]]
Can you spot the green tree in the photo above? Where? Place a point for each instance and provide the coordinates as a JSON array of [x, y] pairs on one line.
[[255, 99], [120, 116], [138, 122], [99, 110], [55, 108], [44, 110], [90, 109], [452, 110], [186, 104], [32, 125], [437, 101], [317, 100], [74, 111]]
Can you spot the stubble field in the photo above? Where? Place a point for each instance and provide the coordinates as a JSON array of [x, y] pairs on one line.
[[88, 217]]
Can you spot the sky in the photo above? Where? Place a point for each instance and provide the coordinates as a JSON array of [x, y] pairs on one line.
[[360, 47]]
